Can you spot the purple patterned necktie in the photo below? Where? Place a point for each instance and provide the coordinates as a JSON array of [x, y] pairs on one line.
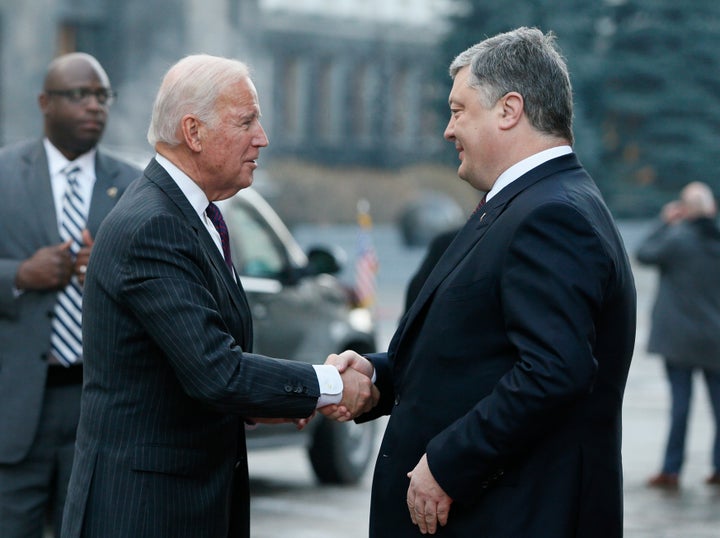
[[218, 221]]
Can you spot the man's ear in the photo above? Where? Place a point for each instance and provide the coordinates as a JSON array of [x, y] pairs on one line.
[[43, 102], [513, 106], [191, 126]]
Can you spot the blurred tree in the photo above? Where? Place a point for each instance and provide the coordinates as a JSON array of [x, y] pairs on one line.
[[660, 100], [646, 77]]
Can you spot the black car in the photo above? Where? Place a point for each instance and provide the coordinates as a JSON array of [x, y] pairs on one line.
[[301, 312]]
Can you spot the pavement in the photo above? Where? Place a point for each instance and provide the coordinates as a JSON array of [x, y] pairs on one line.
[[694, 510]]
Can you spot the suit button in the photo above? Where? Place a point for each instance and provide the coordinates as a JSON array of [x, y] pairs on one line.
[[288, 388], [237, 465], [397, 400]]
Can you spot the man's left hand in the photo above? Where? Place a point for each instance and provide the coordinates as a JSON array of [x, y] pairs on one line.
[[427, 502]]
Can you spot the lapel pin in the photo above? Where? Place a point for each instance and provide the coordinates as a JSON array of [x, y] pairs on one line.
[[112, 192], [482, 216]]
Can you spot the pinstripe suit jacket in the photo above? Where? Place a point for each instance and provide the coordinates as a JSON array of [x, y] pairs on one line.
[[169, 378], [29, 222]]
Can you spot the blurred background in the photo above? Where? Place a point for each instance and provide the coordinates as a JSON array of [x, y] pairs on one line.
[[354, 100], [354, 92]]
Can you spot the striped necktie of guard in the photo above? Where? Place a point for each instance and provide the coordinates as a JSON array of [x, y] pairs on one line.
[[215, 216], [66, 337]]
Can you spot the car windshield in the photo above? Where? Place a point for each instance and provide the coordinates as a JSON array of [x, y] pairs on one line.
[[258, 254]]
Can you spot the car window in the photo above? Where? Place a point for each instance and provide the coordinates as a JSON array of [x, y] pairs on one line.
[[260, 252]]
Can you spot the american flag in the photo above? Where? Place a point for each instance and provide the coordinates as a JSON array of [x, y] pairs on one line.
[[366, 263]]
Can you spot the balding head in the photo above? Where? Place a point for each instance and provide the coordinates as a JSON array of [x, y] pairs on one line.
[[66, 65], [698, 200]]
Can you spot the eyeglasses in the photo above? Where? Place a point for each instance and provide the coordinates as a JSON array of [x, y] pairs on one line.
[[104, 96]]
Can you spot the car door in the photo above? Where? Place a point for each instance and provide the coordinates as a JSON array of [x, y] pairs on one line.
[[280, 307]]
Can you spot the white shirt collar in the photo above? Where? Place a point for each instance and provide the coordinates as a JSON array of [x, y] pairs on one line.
[[195, 195], [57, 164], [57, 161], [192, 191], [524, 166]]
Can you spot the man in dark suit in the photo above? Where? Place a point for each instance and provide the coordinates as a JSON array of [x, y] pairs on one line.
[[42, 264], [170, 379], [504, 381]]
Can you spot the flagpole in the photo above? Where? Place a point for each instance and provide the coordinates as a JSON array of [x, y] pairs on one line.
[[366, 264]]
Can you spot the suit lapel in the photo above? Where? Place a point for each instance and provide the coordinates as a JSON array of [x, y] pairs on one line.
[[474, 229], [158, 175], [466, 238], [105, 191], [39, 189]]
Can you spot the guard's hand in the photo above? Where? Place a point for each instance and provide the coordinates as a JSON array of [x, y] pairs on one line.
[[50, 268], [83, 256], [427, 503]]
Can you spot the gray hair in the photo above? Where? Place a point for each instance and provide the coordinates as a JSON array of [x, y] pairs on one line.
[[191, 86], [528, 62]]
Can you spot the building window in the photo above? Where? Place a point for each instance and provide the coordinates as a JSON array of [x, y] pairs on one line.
[[291, 95], [67, 38], [358, 109], [324, 103], [399, 105]]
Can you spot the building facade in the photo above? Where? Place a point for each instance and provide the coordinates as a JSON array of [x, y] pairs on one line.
[[335, 88]]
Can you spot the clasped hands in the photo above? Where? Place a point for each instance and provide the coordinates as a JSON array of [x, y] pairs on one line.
[[359, 394], [52, 267]]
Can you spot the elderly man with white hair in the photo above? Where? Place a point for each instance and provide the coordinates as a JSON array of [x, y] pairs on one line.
[[170, 378]]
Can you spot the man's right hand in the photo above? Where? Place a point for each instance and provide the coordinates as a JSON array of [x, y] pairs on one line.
[[360, 395], [50, 268]]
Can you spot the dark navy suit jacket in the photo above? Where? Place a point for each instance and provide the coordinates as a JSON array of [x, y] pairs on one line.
[[509, 369], [169, 378]]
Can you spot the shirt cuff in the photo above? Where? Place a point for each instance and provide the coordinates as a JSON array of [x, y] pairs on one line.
[[331, 385]]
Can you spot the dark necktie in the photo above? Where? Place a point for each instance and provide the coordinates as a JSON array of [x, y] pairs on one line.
[[218, 221], [479, 206], [66, 336]]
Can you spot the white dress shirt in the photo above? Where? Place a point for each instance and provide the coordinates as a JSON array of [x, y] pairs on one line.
[[57, 164]]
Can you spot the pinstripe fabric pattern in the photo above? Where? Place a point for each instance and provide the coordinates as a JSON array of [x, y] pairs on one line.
[[169, 378]]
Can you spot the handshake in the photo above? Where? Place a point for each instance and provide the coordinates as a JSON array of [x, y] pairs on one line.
[[359, 394]]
